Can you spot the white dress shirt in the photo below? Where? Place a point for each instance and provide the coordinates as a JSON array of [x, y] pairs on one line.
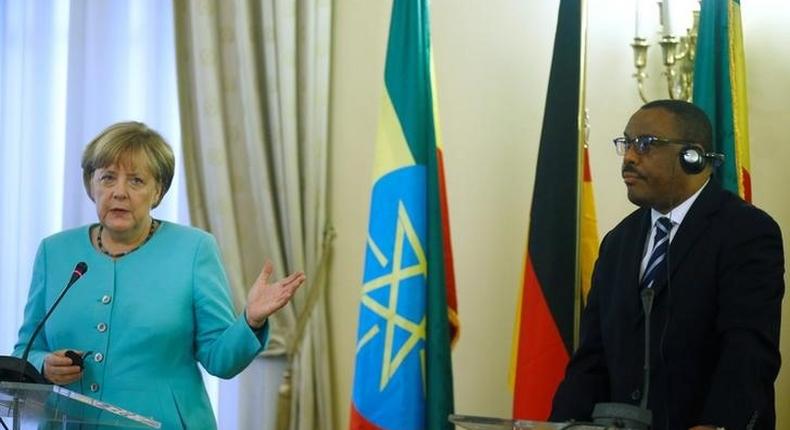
[[675, 215]]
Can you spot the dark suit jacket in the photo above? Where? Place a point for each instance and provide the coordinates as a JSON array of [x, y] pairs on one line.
[[714, 326]]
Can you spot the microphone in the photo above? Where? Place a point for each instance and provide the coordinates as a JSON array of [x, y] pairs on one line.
[[647, 305], [623, 415], [13, 369]]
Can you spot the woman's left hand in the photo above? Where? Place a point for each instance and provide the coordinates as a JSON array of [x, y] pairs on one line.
[[266, 298]]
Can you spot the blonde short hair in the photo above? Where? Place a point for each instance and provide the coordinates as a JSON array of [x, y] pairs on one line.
[[124, 140]]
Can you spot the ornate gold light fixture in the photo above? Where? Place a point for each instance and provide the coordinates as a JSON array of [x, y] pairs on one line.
[[678, 44]]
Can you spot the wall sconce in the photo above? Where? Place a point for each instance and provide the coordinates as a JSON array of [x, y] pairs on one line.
[[678, 41]]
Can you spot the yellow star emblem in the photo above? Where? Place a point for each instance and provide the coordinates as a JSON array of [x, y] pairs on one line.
[[404, 232]]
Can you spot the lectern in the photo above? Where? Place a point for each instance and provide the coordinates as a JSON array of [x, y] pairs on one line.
[[490, 423], [44, 406]]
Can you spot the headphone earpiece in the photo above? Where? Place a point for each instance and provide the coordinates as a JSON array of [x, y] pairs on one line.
[[692, 160]]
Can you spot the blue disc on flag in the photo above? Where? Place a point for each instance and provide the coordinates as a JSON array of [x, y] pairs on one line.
[[389, 379]]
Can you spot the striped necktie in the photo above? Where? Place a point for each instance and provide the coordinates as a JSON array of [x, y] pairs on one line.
[[657, 262]]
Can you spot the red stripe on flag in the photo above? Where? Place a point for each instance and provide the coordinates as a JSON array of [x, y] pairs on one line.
[[358, 422], [587, 177], [747, 185], [447, 249], [542, 357]]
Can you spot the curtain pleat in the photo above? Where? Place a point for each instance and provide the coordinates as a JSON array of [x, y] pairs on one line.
[[254, 87]]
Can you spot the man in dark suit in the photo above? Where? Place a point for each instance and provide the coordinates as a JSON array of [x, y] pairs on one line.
[[715, 265]]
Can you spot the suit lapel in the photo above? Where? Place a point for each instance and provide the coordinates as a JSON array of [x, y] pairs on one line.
[[693, 225], [639, 232]]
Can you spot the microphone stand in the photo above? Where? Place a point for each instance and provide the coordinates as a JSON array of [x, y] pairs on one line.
[[13, 369], [624, 415]]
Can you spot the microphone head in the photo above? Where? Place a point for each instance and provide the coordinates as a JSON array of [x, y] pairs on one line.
[[80, 269]]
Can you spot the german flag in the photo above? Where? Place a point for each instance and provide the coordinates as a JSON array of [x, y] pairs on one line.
[[563, 243], [720, 90]]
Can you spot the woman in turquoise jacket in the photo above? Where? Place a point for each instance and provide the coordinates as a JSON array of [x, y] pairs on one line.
[[155, 300]]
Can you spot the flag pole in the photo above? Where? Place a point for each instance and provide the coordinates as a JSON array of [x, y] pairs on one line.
[[581, 125]]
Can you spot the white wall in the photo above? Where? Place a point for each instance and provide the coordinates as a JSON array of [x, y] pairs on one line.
[[492, 63]]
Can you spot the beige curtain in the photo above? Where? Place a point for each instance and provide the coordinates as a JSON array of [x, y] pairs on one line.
[[253, 80]]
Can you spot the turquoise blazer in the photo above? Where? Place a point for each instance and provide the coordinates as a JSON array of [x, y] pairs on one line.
[[147, 318]]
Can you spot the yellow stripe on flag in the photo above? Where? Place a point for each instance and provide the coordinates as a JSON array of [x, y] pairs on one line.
[[588, 251], [740, 108], [392, 151], [435, 100], [516, 330]]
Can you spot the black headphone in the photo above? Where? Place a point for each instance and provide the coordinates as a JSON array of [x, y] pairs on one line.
[[693, 160]]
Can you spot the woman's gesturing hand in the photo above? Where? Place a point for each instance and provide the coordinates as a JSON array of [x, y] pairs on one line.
[[266, 298]]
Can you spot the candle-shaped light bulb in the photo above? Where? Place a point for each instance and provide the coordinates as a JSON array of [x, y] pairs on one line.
[[637, 23], [641, 19], [667, 17]]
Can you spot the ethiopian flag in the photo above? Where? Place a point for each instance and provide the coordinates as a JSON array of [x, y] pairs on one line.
[[720, 90], [563, 240], [407, 317]]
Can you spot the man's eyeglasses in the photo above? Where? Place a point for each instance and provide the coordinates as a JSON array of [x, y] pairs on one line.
[[642, 144]]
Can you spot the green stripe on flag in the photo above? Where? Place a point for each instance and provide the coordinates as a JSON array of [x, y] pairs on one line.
[[713, 85]]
